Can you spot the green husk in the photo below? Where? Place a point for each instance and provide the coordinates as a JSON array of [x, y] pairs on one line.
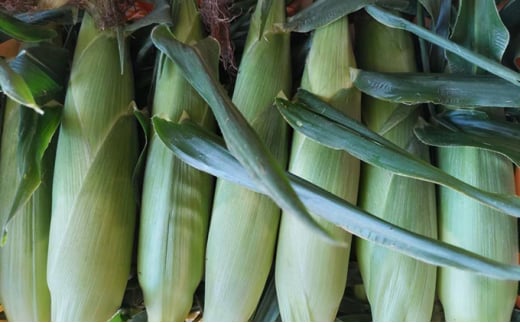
[[466, 296], [23, 259], [244, 224], [462, 222], [93, 203], [176, 201], [398, 287], [311, 273]]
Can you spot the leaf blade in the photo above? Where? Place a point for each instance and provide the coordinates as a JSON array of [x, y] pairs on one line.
[[335, 130], [206, 152], [242, 140]]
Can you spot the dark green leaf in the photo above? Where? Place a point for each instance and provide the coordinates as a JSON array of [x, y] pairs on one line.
[[322, 123], [460, 90], [15, 87], [323, 12], [35, 133], [22, 31], [393, 21], [440, 12], [206, 152], [475, 130], [45, 70], [242, 140], [478, 28], [64, 15]]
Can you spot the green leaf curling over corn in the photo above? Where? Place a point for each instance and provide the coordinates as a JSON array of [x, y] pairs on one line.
[[23, 259], [244, 224], [399, 288], [93, 206], [311, 273], [176, 201]]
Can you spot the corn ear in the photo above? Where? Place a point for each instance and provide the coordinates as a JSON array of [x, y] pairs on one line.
[[93, 201], [462, 222], [310, 273], [23, 259], [176, 200], [244, 224], [465, 223], [399, 288]]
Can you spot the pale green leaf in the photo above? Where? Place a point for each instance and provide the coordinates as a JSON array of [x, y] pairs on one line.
[[393, 21], [206, 152], [459, 90], [324, 124], [242, 140]]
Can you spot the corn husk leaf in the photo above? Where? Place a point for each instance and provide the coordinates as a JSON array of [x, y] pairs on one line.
[[240, 137], [467, 297], [307, 289], [476, 129], [391, 20], [331, 10], [440, 13], [206, 151], [399, 288], [15, 87], [45, 79], [23, 258], [484, 299], [264, 15], [93, 216], [176, 200], [399, 114], [36, 76], [490, 41], [22, 31], [459, 90], [333, 129], [35, 133], [45, 70], [244, 224], [64, 15]]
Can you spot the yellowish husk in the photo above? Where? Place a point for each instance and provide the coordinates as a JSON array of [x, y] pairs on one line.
[[310, 273], [93, 202], [399, 288], [244, 224]]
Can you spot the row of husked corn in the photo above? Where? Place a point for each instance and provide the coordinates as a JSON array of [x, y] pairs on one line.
[[190, 229]]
